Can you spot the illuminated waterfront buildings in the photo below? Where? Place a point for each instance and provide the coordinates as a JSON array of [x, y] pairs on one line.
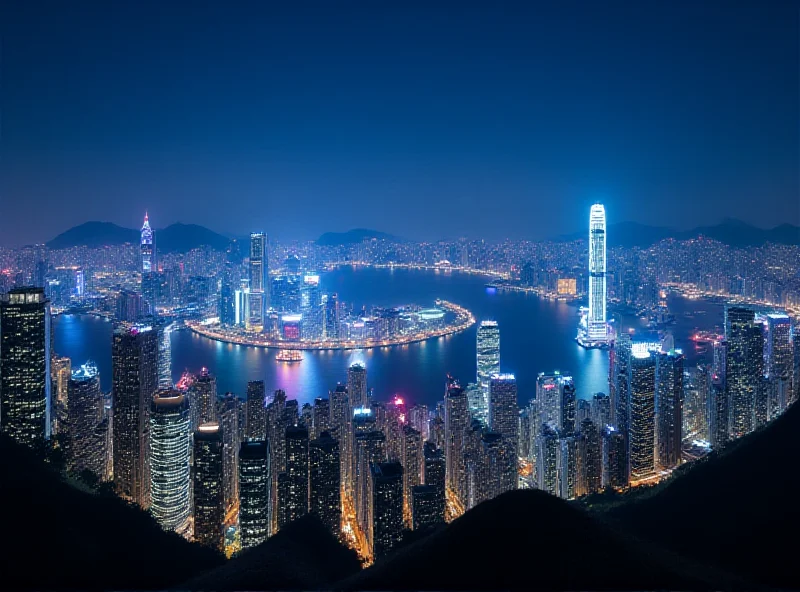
[[488, 357], [25, 366], [208, 494], [254, 490], [324, 478], [642, 413], [134, 356], [86, 428], [169, 459]]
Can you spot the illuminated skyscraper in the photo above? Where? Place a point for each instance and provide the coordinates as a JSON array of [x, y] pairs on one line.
[[254, 488], [325, 482], [642, 413], [744, 368], [134, 357], [567, 467], [229, 412], [434, 476], [204, 390], [169, 459], [488, 357], [209, 498], [456, 422], [504, 420], [60, 374], [256, 428], [164, 354], [357, 386], [669, 408], [85, 426], [412, 460], [547, 459], [590, 459], [779, 357], [148, 247], [596, 323], [615, 459], [25, 366], [259, 281]]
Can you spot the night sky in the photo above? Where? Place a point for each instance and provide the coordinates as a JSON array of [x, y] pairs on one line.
[[427, 120]]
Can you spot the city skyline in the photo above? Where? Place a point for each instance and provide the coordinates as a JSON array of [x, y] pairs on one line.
[[531, 115]]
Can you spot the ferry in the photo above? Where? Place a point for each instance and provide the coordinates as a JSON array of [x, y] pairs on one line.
[[289, 356]]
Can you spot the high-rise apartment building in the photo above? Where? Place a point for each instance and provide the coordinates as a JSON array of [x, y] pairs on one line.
[[134, 356], [25, 366], [456, 422], [254, 491], [88, 433], [169, 459], [293, 484], [412, 461], [208, 493], [324, 478], [669, 408], [229, 412], [385, 520], [256, 414], [204, 390], [434, 476], [744, 367]]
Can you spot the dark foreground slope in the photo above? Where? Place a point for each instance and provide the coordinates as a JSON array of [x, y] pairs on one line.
[[526, 540], [58, 537], [302, 556], [738, 511]]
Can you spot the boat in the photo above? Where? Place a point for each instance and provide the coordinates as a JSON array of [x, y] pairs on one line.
[[289, 356]]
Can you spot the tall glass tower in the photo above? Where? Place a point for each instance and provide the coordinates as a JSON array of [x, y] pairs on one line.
[[148, 247], [597, 273], [487, 357], [169, 459], [259, 284]]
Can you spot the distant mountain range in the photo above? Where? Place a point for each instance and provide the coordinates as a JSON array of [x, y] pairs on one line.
[[730, 231], [176, 238], [354, 236]]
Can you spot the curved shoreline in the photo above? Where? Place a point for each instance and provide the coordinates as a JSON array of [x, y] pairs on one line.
[[464, 320]]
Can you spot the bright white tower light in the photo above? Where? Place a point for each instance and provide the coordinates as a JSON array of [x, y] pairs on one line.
[[596, 325]]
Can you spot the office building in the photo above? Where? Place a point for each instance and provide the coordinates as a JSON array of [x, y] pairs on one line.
[[88, 433], [413, 464], [589, 459], [385, 496], [744, 368], [615, 459], [434, 476], [229, 412], [134, 357], [556, 401], [369, 448], [169, 459], [321, 416], [254, 491], [25, 366], [419, 419], [357, 386], [718, 414], [60, 374], [425, 509], [208, 494], [488, 357], [325, 482], [164, 330], [669, 408], [642, 414], [779, 358], [567, 467]]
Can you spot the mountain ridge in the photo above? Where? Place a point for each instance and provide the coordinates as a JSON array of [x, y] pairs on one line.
[[175, 238]]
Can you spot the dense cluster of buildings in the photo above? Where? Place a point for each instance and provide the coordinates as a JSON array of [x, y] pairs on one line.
[[229, 472]]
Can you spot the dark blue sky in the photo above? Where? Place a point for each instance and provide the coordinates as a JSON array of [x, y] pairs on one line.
[[426, 120]]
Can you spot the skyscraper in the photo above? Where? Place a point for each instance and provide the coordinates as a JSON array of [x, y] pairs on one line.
[[204, 390], [148, 247], [134, 357], [669, 408], [357, 386], [412, 460], [567, 467], [254, 489], [488, 357], [209, 501], [596, 324], [456, 422], [229, 413], [425, 507], [504, 420], [259, 281], [615, 459], [547, 459], [169, 459], [85, 425], [745, 364], [293, 484], [385, 522], [779, 356], [164, 330], [642, 413], [256, 428], [60, 374], [434, 476], [25, 366], [590, 459], [325, 482]]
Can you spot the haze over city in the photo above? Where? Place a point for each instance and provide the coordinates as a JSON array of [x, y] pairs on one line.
[[424, 120]]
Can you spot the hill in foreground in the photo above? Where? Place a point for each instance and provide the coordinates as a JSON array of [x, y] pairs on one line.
[[60, 537]]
